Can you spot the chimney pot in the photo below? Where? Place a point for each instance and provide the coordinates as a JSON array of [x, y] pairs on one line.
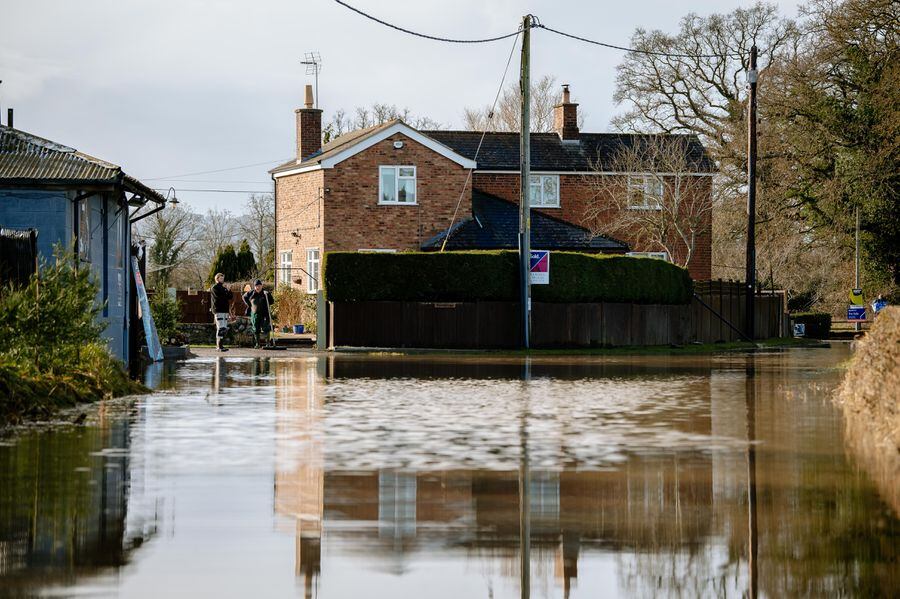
[[9, 118], [309, 96]]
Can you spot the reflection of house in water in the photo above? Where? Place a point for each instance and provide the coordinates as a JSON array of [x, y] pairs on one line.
[[659, 502], [64, 503]]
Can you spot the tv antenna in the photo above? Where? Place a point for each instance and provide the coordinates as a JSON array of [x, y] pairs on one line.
[[313, 62]]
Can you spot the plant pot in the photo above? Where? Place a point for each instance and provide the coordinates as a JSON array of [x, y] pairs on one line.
[[298, 329]]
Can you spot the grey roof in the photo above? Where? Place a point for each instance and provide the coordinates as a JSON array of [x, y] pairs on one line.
[[494, 224], [27, 158], [500, 151], [335, 145]]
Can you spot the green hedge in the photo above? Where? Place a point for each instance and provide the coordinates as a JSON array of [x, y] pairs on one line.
[[484, 275], [818, 324]]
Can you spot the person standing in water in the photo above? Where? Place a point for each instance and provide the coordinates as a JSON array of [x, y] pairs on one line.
[[258, 301], [220, 305]]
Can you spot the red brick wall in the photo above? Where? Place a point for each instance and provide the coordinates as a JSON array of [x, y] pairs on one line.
[[576, 194], [353, 218], [300, 215]]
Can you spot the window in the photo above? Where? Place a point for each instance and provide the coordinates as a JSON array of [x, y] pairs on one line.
[[645, 192], [119, 224], [396, 185], [312, 270], [544, 191], [285, 263], [657, 255]]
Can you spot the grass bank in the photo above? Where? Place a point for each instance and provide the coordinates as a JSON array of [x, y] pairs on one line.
[[52, 354], [869, 397]]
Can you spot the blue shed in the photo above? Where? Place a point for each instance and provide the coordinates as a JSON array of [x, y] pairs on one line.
[[83, 203]]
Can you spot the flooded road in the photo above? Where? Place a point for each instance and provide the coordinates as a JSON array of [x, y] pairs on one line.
[[410, 476]]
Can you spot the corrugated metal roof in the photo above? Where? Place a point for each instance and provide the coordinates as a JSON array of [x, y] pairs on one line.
[[24, 156]]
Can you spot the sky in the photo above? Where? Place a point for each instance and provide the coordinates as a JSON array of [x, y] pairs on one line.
[[168, 88]]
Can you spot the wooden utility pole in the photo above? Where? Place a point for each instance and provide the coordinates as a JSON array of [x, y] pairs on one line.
[[856, 325], [750, 275], [525, 178]]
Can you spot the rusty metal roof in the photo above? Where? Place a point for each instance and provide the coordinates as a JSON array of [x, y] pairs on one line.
[[27, 157]]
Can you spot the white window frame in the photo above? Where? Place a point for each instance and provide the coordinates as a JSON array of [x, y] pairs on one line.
[[285, 266], [543, 202], [655, 255], [312, 270], [396, 168], [643, 186]]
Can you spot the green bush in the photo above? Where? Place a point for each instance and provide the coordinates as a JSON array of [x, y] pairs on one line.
[[51, 351], [494, 275], [166, 313], [818, 324]]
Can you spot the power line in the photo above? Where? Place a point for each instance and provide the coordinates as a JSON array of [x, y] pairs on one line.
[[635, 50], [215, 181], [490, 115], [426, 36], [221, 170], [220, 190]]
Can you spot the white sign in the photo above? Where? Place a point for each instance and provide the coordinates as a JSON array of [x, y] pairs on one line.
[[540, 267]]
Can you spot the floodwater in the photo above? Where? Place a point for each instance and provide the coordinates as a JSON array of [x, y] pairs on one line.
[[392, 476]]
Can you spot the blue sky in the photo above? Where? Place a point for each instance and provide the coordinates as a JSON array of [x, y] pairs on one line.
[[168, 87]]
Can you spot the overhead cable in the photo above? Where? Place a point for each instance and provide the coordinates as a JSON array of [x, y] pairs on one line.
[[490, 115], [636, 50], [424, 35], [220, 170]]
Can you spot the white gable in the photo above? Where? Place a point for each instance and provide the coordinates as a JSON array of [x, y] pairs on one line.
[[370, 141]]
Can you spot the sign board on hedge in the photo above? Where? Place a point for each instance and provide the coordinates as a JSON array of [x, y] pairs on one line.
[[540, 267], [856, 313]]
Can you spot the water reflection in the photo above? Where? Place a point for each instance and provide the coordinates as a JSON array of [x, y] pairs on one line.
[[462, 475], [64, 505], [682, 519]]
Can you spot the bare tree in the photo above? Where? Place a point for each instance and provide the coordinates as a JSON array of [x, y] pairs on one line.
[[369, 116], [258, 227], [659, 203], [544, 96], [169, 234]]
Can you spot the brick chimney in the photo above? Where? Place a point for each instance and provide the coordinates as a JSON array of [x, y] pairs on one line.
[[309, 127], [565, 117]]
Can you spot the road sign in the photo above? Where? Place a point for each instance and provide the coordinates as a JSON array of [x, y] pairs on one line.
[[540, 267], [856, 313], [856, 297]]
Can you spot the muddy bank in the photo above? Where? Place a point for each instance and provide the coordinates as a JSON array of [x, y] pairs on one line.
[[869, 395]]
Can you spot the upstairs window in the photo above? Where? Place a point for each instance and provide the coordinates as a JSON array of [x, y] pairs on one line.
[[645, 192], [656, 255], [544, 191], [396, 185]]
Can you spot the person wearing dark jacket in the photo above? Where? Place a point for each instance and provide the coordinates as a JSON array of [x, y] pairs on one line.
[[258, 301], [220, 305]]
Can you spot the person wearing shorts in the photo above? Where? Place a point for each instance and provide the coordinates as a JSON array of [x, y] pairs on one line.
[[220, 305]]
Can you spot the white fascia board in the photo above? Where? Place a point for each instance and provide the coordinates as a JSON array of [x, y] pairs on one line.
[[409, 132], [297, 171], [582, 173]]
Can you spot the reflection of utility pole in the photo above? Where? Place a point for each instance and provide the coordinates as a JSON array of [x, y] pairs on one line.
[[524, 181], [750, 274], [753, 546], [524, 492]]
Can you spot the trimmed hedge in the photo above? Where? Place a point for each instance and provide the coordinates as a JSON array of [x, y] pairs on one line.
[[818, 324], [494, 276]]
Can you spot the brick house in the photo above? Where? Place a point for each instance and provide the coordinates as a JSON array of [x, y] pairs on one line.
[[391, 188]]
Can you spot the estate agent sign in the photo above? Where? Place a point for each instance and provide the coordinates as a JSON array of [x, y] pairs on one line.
[[540, 267]]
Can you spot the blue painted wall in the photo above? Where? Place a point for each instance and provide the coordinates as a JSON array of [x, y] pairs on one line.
[[52, 214]]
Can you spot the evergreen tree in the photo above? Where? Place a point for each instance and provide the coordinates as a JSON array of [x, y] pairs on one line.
[[245, 263], [226, 262]]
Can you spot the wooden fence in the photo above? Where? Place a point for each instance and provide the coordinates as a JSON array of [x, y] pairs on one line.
[[195, 305], [476, 325]]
